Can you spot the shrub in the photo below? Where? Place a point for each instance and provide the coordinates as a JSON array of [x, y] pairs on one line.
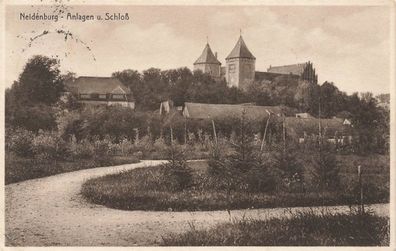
[[176, 172], [126, 146], [217, 158], [81, 150], [46, 145], [290, 169], [20, 142], [264, 176], [101, 150], [325, 170]]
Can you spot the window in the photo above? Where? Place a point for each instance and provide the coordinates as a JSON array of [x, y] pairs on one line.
[[102, 96], [118, 96], [231, 68], [85, 96], [94, 95]]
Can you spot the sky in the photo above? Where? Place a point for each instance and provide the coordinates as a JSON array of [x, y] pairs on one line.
[[348, 45]]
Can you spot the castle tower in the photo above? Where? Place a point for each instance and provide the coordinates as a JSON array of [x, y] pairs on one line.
[[240, 66], [208, 63]]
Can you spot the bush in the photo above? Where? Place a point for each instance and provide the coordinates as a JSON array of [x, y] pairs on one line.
[[126, 147], [290, 168], [81, 150], [46, 145], [20, 142], [176, 172], [244, 167], [324, 170], [263, 177]]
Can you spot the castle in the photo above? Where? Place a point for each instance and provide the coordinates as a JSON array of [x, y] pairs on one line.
[[240, 69]]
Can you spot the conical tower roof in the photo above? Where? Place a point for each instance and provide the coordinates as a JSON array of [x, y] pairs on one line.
[[207, 57], [240, 50]]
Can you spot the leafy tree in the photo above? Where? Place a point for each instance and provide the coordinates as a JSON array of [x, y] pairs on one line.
[[28, 102], [133, 80], [40, 81]]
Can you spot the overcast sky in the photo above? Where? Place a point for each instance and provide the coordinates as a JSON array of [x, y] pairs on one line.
[[348, 45]]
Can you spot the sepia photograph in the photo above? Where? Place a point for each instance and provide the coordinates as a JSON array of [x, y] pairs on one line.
[[198, 124]]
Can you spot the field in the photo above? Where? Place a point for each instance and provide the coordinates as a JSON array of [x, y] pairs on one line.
[[19, 169], [302, 229], [146, 189]]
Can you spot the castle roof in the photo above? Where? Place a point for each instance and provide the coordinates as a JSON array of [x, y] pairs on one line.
[[207, 57], [240, 50], [100, 85], [295, 69]]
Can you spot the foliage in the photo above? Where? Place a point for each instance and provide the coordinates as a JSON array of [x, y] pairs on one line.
[[290, 168], [176, 172], [244, 168], [46, 145], [324, 169], [24, 168], [149, 189], [19, 141], [300, 229], [28, 102], [40, 81]]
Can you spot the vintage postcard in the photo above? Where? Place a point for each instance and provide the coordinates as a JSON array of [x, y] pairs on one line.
[[256, 124]]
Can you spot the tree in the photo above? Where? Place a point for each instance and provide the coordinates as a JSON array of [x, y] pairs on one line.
[[39, 82], [325, 168], [28, 102], [133, 80], [176, 171]]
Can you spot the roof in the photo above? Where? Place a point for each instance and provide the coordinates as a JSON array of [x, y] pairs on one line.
[[295, 69], [205, 111], [207, 57], [101, 85], [270, 76], [297, 126], [240, 50]]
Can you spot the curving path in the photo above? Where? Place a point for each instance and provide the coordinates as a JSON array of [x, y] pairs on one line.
[[51, 212]]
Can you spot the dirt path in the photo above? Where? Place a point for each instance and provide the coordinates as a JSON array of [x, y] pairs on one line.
[[50, 211]]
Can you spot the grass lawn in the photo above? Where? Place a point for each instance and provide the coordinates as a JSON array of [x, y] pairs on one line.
[[19, 169], [302, 229], [145, 189]]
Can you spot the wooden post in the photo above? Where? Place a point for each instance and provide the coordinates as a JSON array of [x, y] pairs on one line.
[[265, 132], [214, 132], [284, 134], [361, 189], [185, 130], [171, 135]]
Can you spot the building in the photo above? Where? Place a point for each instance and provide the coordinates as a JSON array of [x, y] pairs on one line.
[[100, 91], [304, 71], [303, 115], [219, 111], [240, 68], [334, 129], [208, 63]]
